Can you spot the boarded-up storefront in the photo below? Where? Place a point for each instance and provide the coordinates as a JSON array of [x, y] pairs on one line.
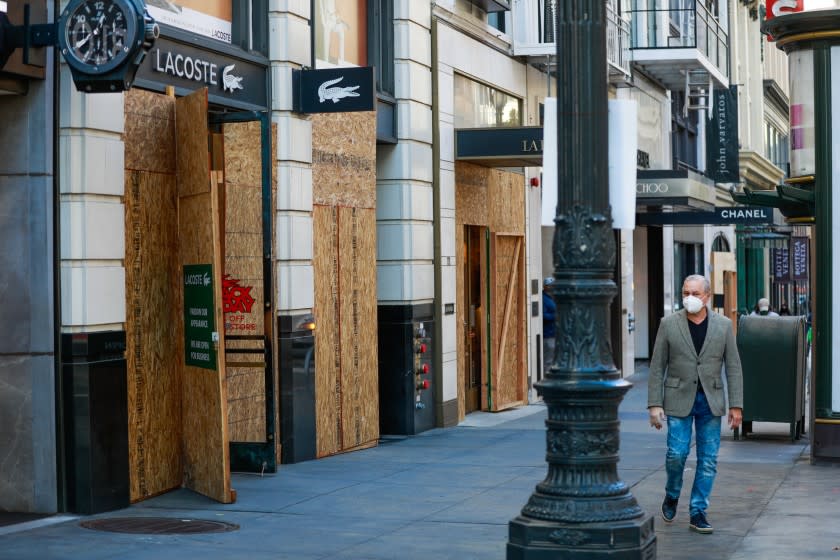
[[195, 197], [344, 231], [491, 308]]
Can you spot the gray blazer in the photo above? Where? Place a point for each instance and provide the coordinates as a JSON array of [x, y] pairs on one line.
[[676, 367]]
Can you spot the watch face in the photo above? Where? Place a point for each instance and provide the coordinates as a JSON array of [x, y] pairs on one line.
[[98, 35]]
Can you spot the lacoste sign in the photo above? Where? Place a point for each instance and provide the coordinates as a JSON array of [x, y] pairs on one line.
[[229, 80], [334, 90]]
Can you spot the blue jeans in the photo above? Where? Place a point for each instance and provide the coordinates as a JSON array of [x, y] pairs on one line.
[[707, 435]]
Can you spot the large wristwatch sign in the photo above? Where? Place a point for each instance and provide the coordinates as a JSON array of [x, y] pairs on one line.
[[229, 80]]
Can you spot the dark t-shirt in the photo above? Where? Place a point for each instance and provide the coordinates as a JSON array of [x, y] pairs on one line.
[[698, 336]]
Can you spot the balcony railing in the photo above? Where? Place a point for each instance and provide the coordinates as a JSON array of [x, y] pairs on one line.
[[618, 41], [534, 31], [690, 26]]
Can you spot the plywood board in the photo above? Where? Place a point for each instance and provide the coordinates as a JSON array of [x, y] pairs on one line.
[[472, 184], [509, 336], [243, 284], [206, 448], [506, 202], [460, 317], [344, 159], [149, 132], [154, 333], [496, 199], [328, 387], [359, 362]]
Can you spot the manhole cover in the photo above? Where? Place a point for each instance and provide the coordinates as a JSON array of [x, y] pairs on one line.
[[158, 525]]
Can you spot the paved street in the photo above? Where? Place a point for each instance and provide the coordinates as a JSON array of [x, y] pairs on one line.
[[450, 493]]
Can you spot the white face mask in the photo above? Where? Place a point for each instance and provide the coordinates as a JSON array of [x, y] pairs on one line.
[[692, 304]]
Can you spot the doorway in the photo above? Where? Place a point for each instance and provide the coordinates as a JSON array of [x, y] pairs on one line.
[[184, 360], [240, 150], [476, 249]]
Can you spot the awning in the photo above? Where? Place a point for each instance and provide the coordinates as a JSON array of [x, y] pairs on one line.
[[519, 146], [674, 187], [762, 239], [792, 202]]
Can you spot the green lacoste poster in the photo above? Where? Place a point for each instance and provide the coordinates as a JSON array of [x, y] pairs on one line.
[[200, 336]]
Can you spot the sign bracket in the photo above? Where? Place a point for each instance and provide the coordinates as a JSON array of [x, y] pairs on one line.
[[26, 36]]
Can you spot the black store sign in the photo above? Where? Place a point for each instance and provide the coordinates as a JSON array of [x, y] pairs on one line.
[[722, 137], [334, 90], [230, 80], [722, 215]]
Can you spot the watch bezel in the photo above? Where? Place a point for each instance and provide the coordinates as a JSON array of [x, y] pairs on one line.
[[133, 37]]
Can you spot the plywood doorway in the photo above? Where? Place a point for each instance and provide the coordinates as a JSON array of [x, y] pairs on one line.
[[177, 413], [476, 251], [490, 225], [241, 150]]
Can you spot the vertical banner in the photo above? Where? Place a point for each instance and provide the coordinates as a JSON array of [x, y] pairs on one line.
[[800, 258], [622, 147], [722, 137], [549, 175], [802, 133], [781, 265]]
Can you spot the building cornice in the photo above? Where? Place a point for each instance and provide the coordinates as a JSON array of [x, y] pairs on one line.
[[758, 172], [774, 93], [471, 28]]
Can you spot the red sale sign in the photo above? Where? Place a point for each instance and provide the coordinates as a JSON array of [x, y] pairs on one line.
[[781, 7]]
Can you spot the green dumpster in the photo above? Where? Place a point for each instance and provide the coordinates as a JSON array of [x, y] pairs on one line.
[[772, 351]]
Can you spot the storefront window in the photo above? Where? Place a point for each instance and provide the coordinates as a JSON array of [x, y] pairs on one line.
[[478, 105], [243, 23], [210, 18], [340, 33]]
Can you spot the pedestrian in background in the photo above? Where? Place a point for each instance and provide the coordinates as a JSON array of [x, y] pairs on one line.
[[685, 388], [763, 308], [549, 314]]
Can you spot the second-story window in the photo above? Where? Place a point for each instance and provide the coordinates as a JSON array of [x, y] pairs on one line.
[[478, 105], [381, 44], [340, 33], [243, 23], [250, 25], [683, 134]]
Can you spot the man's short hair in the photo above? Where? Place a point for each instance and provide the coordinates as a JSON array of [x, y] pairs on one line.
[[707, 288]]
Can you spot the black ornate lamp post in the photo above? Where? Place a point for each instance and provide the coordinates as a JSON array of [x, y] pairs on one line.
[[582, 509]]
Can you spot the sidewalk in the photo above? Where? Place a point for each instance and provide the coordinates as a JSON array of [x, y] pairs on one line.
[[449, 493]]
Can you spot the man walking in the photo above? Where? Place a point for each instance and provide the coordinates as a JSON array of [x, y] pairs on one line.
[[686, 386]]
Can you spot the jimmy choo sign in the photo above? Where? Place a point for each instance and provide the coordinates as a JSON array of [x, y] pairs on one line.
[[679, 186]]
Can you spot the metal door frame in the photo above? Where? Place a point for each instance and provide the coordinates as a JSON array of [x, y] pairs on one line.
[[259, 456]]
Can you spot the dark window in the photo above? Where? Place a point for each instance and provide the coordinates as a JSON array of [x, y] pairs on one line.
[[381, 44], [497, 20], [249, 29], [683, 133], [720, 244]]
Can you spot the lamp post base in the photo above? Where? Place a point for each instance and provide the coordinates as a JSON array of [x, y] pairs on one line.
[[534, 539]]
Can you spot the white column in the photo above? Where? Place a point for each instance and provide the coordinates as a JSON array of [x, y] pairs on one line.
[[92, 178]]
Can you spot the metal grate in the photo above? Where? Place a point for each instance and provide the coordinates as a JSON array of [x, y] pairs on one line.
[[158, 525]]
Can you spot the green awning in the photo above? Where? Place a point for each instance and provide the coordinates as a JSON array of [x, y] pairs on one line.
[[792, 202]]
